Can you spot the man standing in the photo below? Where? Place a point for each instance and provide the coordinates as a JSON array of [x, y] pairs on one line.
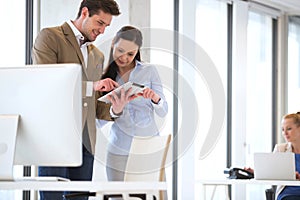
[[71, 43]]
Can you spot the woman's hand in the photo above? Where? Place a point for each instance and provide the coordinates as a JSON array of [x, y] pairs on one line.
[[119, 102], [150, 94], [297, 175], [248, 169]]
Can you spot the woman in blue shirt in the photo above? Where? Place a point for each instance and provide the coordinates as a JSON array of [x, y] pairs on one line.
[[291, 133], [133, 115]]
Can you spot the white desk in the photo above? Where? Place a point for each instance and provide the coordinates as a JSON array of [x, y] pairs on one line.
[[114, 187], [227, 182], [248, 181]]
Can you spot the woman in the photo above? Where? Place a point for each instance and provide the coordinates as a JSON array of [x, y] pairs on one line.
[[291, 133], [133, 115]]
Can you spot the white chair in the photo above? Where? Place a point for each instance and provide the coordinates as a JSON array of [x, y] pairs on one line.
[[146, 162]]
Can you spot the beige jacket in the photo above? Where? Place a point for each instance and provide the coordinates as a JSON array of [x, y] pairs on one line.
[[59, 45], [284, 147]]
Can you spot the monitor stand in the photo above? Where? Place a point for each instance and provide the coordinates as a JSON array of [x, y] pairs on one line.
[[8, 134]]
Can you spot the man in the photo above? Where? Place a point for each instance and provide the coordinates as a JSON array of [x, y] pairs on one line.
[[71, 43]]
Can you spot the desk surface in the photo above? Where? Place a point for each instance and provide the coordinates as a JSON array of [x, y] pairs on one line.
[[93, 186], [248, 181]]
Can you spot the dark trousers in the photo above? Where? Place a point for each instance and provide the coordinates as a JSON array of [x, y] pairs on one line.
[[82, 173]]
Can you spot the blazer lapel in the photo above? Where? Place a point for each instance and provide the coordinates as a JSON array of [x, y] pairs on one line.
[[90, 62], [73, 41]]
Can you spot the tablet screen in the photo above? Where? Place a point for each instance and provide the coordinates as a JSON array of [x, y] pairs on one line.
[[136, 88]]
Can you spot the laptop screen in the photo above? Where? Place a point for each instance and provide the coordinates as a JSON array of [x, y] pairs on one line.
[[274, 166]]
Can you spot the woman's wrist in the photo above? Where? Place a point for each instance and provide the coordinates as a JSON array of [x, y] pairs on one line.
[[117, 113], [156, 101]]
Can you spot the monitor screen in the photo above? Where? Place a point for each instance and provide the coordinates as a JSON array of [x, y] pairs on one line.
[[48, 100]]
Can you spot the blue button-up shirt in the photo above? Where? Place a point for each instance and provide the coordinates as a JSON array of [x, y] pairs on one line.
[[138, 115]]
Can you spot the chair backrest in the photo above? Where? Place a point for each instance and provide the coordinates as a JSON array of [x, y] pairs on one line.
[[147, 157]]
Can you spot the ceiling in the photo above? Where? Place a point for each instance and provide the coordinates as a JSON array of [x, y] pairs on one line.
[[291, 6]]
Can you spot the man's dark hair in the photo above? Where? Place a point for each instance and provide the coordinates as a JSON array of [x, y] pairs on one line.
[[94, 6]]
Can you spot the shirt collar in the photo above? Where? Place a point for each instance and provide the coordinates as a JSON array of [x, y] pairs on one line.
[[138, 64], [289, 147], [77, 33]]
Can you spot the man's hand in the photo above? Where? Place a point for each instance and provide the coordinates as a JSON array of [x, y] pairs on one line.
[[105, 85]]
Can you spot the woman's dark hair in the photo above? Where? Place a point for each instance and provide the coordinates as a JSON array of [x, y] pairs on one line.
[[94, 6], [127, 33]]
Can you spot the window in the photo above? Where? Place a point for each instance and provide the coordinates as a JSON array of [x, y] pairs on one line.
[[162, 57], [252, 92], [259, 91], [293, 79], [211, 36], [13, 38]]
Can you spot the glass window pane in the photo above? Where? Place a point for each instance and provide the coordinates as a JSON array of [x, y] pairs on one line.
[[259, 91], [259, 82], [13, 38], [162, 57], [211, 35], [293, 64]]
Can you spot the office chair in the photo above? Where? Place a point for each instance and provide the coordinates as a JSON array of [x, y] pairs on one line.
[[270, 193], [146, 162]]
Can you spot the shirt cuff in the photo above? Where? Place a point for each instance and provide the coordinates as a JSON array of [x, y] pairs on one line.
[[89, 88], [159, 103], [113, 115]]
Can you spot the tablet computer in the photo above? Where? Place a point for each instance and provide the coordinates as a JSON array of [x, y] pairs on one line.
[[136, 88]]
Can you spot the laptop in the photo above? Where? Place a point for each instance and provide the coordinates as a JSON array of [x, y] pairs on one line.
[[274, 166]]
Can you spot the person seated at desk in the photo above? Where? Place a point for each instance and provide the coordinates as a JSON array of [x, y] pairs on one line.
[[291, 133]]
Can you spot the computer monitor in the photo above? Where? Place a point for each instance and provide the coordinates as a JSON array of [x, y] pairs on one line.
[[42, 106]]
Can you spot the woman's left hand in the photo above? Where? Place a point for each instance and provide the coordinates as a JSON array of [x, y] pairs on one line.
[[150, 94], [297, 175]]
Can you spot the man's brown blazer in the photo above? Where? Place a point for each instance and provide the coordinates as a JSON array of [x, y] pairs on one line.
[[59, 45]]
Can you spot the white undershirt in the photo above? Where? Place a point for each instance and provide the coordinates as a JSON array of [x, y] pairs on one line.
[[84, 51]]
